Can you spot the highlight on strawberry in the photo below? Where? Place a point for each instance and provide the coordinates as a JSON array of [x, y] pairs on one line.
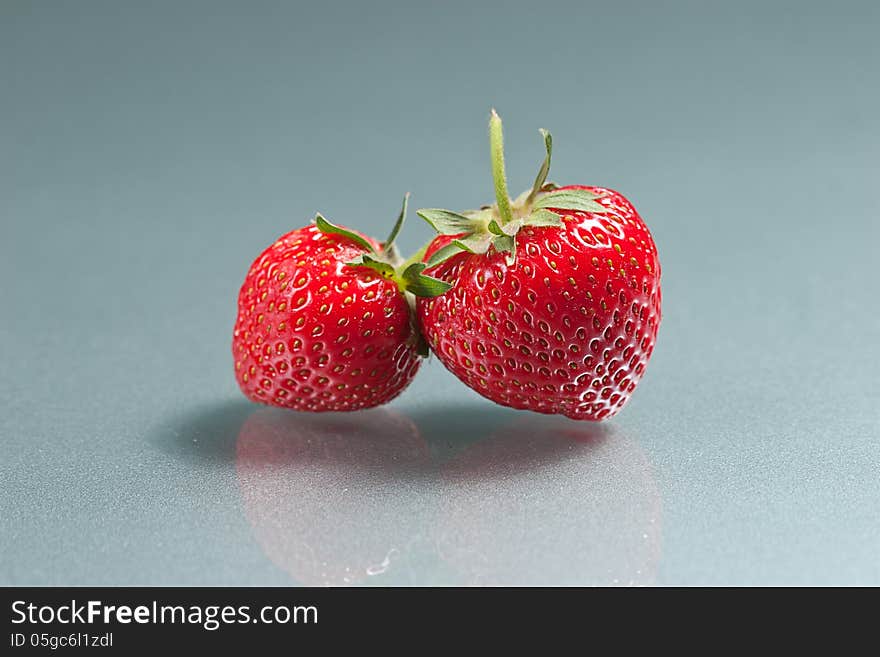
[[325, 320], [555, 296]]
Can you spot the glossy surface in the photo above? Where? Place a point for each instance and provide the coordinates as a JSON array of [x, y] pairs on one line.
[[315, 334], [149, 151], [568, 328]]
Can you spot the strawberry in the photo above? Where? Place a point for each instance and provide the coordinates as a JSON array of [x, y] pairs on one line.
[[325, 320], [555, 303]]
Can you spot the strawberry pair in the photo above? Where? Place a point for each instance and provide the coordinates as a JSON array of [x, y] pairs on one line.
[[549, 302]]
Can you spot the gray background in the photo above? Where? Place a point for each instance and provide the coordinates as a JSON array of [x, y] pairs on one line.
[[149, 151]]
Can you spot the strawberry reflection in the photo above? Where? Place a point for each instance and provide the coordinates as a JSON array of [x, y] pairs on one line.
[[331, 498], [550, 501], [460, 496]]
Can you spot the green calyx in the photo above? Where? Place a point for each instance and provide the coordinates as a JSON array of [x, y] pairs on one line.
[[496, 226], [387, 261]]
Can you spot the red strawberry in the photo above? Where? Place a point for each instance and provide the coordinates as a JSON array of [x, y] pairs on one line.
[[324, 323], [556, 298]]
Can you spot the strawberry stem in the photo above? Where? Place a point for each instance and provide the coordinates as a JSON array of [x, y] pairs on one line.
[[496, 148]]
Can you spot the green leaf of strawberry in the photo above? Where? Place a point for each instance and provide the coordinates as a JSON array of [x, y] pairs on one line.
[[447, 222], [474, 243], [388, 245], [506, 244], [384, 269], [421, 285], [496, 226], [443, 254], [387, 261], [543, 217], [545, 167], [569, 199], [332, 229]]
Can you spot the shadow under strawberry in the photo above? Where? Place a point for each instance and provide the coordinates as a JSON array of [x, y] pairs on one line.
[[450, 429], [204, 434], [447, 496], [512, 515], [334, 499]]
